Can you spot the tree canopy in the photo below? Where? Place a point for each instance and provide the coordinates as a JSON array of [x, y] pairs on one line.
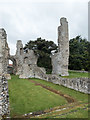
[[78, 58], [42, 49]]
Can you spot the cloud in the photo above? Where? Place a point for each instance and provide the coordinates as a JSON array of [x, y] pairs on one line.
[[30, 20]]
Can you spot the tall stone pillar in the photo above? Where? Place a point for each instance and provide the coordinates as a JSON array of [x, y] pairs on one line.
[[63, 45], [4, 52], [60, 59], [19, 57]]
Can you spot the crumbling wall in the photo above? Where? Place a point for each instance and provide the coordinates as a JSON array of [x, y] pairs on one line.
[[4, 52], [27, 63], [60, 59], [78, 84]]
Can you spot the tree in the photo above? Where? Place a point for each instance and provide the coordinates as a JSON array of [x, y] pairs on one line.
[[42, 49], [78, 58]]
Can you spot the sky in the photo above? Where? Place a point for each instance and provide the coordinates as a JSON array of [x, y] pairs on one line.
[[30, 19]]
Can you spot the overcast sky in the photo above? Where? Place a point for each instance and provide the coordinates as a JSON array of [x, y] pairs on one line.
[[26, 20]]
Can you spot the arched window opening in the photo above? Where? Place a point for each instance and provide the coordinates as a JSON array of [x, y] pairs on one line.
[[12, 66], [10, 63]]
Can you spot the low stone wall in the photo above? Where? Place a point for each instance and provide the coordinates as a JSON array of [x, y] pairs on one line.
[[81, 71], [79, 84], [4, 97]]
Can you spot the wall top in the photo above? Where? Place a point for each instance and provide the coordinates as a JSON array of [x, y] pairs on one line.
[[2, 30], [63, 20]]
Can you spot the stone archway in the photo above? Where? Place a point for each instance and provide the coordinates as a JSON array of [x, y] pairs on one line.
[[12, 69]]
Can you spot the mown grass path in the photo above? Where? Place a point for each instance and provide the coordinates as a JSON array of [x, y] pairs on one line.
[[68, 98]]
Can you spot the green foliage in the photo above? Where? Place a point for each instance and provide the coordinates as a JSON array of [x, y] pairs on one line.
[[42, 49], [79, 54], [79, 58]]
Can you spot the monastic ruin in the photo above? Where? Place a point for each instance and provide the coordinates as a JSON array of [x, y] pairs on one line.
[[25, 65], [25, 62]]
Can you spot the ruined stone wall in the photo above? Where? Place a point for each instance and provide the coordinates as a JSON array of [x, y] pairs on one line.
[[26, 62], [4, 97], [60, 59], [78, 84], [4, 52], [22, 58]]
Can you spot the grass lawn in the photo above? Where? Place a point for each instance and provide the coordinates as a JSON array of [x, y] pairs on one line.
[[73, 93], [25, 97], [81, 113], [76, 112], [74, 74]]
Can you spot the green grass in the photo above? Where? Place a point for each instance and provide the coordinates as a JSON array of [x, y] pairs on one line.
[[73, 93], [78, 112], [74, 74], [25, 97]]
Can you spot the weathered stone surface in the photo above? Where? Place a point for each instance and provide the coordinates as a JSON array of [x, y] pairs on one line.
[[60, 59], [78, 84], [8, 76], [4, 97], [4, 52], [32, 71], [26, 62]]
